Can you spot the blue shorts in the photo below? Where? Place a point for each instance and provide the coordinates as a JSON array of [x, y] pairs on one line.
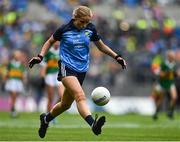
[[65, 71]]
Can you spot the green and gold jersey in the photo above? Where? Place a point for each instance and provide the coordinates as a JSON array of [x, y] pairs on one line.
[[51, 59], [16, 70], [169, 79]]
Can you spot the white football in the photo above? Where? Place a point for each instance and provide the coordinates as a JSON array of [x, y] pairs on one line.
[[100, 96]]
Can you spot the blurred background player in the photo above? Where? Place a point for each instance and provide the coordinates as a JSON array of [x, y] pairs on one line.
[[165, 84], [14, 79], [50, 72]]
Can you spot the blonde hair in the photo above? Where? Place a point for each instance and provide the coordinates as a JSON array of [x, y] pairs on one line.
[[82, 11]]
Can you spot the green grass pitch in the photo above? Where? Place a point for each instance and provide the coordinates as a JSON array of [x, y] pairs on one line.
[[68, 127]]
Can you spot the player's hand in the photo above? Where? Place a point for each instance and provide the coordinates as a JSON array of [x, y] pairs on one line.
[[121, 61], [35, 60]]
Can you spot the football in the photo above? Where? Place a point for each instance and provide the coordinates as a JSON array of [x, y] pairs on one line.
[[100, 96]]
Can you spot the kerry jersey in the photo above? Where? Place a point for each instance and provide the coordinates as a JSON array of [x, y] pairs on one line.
[[15, 70], [74, 45], [52, 58], [169, 79]]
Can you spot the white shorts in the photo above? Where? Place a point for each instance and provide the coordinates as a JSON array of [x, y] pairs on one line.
[[51, 79], [14, 85], [158, 88]]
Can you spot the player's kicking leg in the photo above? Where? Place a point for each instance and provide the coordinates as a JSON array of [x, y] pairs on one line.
[[78, 94]]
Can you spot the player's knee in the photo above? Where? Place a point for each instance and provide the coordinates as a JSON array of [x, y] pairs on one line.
[[80, 97]]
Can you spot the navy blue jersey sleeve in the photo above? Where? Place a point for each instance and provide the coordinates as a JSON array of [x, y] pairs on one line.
[[58, 33], [95, 36]]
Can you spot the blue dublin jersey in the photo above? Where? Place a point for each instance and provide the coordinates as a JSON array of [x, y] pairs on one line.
[[74, 45]]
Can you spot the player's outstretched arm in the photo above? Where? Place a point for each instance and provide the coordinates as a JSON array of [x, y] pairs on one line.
[[105, 49], [37, 59]]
